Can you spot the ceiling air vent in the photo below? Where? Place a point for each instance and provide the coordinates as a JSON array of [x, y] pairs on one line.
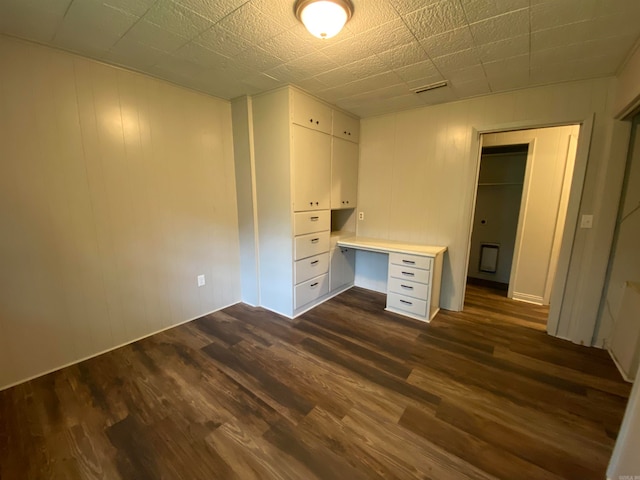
[[427, 88]]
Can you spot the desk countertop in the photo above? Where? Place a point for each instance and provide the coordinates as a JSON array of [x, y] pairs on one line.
[[386, 246]]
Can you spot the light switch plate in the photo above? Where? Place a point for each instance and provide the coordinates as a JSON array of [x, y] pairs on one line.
[[201, 281], [586, 221]]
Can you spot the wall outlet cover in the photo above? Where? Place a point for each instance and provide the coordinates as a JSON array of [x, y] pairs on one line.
[[360, 215], [586, 221], [201, 281]]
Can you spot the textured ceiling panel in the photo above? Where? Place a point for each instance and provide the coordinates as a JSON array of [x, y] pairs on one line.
[[229, 48]]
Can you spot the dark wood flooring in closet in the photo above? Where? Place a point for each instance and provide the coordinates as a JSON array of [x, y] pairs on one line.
[[347, 391]]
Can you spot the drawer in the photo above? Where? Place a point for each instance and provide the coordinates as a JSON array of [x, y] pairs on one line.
[[309, 222], [407, 304], [311, 290], [416, 261], [311, 267], [311, 244], [409, 273], [408, 288]]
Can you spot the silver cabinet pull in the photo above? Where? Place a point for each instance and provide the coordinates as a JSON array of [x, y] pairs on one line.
[[409, 274], [408, 287], [406, 302], [410, 262], [314, 285], [315, 240], [315, 262]]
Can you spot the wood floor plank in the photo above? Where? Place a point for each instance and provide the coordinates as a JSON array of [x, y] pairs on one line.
[[347, 390]]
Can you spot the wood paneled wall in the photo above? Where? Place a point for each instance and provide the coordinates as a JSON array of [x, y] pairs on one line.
[[418, 168], [116, 191]]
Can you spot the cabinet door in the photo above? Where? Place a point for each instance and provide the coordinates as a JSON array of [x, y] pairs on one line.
[[311, 113], [344, 174], [343, 267], [311, 169], [345, 127]]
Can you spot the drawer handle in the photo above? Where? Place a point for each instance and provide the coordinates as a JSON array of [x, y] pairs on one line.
[[409, 274], [314, 284], [315, 262], [406, 302], [410, 262], [315, 240], [408, 287], [314, 219]]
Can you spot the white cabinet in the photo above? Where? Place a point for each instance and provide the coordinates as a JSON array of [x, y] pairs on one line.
[[343, 267], [310, 113], [311, 169], [344, 174], [345, 127]]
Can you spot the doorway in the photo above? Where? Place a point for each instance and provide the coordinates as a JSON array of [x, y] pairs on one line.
[[523, 185]]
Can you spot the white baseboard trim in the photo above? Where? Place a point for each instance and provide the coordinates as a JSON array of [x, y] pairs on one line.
[[74, 362], [525, 297], [619, 367]]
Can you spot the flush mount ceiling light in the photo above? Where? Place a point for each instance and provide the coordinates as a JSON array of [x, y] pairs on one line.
[[323, 18]]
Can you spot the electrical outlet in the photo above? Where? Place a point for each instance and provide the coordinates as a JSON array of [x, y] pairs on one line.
[[201, 281], [360, 215], [586, 221]]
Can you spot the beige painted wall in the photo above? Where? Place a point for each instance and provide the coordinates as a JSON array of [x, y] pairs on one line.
[[542, 210], [116, 191], [418, 169]]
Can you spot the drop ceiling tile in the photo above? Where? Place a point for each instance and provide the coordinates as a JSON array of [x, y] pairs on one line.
[[312, 85], [315, 63], [435, 19], [448, 42], [134, 54], [364, 85], [388, 36], [370, 14], [348, 51], [134, 7], [289, 72], [403, 55], [252, 24], [222, 41], [508, 66], [281, 10], [502, 27], [467, 74], [420, 83], [366, 67], [177, 19], [552, 37], [510, 81], [471, 88], [418, 70], [150, 34], [561, 12], [92, 18], [212, 10], [172, 67], [262, 82], [457, 61], [385, 93], [23, 20], [201, 56], [477, 10], [404, 7], [615, 24], [438, 95], [256, 57], [287, 46], [337, 76]]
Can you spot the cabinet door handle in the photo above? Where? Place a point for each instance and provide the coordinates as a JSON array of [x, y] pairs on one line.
[[409, 274], [317, 203], [406, 302], [311, 120], [315, 262], [317, 122], [408, 287], [311, 203], [315, 240], [314, 284], [347, 202], [410, 262], [345, 132], [314, 219]]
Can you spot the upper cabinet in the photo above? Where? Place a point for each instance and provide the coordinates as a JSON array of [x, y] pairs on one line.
[[310, 113], [344, 174], [311, 169], [345, 127]]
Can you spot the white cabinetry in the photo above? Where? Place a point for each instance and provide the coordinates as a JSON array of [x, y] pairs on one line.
[[293, 183], [343, 265], [345, 127], [344, 174]]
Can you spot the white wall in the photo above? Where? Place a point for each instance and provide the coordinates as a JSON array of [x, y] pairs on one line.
[[116, 191], [418, 169], [542, 210]]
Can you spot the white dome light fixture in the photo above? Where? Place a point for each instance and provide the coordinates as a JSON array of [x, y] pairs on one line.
[[324, 18]]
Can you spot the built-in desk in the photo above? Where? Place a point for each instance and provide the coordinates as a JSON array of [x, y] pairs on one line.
[[415, 272]]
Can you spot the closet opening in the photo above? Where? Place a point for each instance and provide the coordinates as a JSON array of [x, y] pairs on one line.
[[523, 184]]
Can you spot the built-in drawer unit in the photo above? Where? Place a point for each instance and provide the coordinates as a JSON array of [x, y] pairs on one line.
[[309, 222], [312, 289], [408, 273], [311, 244], [311, 267], [410, 260], [408, 288], [407, 304]]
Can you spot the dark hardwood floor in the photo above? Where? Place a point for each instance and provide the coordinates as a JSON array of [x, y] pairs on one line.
[[347, 391]]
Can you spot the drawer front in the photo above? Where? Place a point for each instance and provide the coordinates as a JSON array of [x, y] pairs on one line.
[[311, 290], [409, 273], [410, 260], [407, 304], [408, 288], [311, 267], [311, 244], [309, 222]]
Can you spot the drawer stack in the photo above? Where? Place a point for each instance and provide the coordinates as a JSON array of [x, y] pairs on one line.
[[311, 256], [409, 285]]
